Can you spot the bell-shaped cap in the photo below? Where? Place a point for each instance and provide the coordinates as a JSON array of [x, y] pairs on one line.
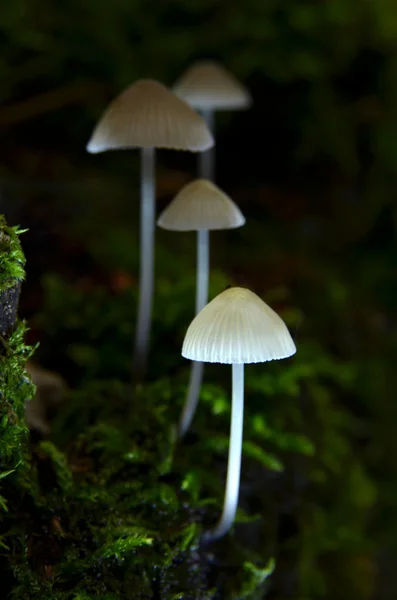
[[208, 85], [201, 205], [237, 327], [148, 115]]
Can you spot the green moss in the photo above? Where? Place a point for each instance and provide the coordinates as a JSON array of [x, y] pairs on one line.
[[15, 389], [12, 259], [108, 513], [15, 386]]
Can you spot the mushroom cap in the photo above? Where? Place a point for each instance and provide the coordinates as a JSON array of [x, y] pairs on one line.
[[208, 85], [237, 327], [201, 205], [147, 115]]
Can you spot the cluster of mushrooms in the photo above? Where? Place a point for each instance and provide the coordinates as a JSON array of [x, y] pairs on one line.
[[236, 327]]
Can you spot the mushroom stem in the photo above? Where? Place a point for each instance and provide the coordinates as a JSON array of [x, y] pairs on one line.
[[146, 275], [189, 409], [234, 462], [196, 372], [206, 167], [203, 268]]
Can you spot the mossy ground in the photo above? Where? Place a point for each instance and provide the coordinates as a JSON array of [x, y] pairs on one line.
[[112, 514], [112, 506]]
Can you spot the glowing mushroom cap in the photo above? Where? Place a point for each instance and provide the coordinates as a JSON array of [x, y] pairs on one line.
[[147, 115], [201, 205], [208, 85], [237, 327]]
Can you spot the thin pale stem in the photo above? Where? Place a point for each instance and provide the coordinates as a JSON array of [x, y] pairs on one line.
[[206, 160], [146, 275], [196, 372], [234, 462], [203, 268], [192, 398]]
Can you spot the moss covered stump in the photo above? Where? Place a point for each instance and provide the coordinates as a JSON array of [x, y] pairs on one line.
[[15, 386], [8, 307], [11, 276]]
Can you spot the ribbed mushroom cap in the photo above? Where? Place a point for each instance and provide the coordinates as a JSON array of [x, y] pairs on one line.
[[237, 327], [201, 205], [146, 115], [206, 84]]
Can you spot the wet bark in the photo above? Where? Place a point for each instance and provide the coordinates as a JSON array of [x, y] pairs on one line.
[[10, 287], [9, 299]]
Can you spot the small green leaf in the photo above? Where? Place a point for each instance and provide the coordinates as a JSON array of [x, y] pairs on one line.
[[3, 504], [63, 473], [5, 473], [269, 461], [125, 544], [188, 535], [191, 484], [3, 545], [256, 576]]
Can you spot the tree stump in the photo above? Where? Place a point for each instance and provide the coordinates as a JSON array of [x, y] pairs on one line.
[[15, 386], [9, 299], [11, 276]]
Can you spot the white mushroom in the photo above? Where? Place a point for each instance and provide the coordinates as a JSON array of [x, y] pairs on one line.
[[147, 115], [200, 206], [207, 86], [237, 327]]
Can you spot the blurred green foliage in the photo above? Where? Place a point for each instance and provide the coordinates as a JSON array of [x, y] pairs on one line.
[[284, 39], [318, 44]]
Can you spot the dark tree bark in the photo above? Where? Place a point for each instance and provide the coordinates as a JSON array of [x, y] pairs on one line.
[[9, 299], [11, 276]]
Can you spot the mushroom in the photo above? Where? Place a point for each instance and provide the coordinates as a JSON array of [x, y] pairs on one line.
[[236, 328], [148, 115], [200, 206], [207, 86]]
